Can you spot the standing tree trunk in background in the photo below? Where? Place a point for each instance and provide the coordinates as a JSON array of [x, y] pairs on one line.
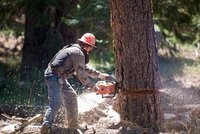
[[45, 34], [136, 62], [35, 30], [68, 32]]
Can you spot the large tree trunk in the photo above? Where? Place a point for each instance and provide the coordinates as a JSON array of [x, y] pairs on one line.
[[45, 34], [34, 38], [136, 62]]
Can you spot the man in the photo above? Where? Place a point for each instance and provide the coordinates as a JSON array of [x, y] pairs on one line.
[[69, 60]]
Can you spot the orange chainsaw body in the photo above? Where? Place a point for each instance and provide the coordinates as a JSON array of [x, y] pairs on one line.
[[105, 88]]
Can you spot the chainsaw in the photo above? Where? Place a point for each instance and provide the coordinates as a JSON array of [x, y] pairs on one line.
[[107, 88]]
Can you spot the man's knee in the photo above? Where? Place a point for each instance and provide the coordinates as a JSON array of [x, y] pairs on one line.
[[55, 104]]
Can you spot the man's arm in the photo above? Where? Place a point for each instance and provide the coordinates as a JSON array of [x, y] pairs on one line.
[[92, 72], [78, 60], [83, 71], [95, 73]]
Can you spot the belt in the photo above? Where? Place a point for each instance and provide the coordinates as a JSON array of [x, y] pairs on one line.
[[56, 72]]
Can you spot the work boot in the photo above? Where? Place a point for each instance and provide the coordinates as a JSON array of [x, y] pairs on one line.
[[45, 129]]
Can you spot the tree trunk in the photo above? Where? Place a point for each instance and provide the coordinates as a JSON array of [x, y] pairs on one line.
[[68, 32], [45, 34], [136, 62]]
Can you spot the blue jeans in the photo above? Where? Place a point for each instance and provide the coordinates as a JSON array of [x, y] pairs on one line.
[[54, 97], [55, 87]]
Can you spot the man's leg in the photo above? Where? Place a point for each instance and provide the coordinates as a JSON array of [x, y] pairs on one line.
[[71, 105], [54, 91]]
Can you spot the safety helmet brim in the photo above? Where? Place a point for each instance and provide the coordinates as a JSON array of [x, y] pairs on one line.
[[88, 39], [87, 43]]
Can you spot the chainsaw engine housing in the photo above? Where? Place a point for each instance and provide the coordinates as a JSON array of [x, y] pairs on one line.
[[106, 89]]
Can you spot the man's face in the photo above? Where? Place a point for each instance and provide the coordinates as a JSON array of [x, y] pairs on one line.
[[89, 49]]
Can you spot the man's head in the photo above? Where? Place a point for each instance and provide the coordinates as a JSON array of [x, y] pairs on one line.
[[87, 42]]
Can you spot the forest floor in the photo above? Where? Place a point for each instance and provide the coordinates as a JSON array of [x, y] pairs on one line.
[[180, 102]]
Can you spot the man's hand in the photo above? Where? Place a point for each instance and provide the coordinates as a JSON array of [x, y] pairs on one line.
[[103, 76], [95, 88]]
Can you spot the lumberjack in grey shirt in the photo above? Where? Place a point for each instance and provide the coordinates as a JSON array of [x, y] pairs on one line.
[[69, 60]]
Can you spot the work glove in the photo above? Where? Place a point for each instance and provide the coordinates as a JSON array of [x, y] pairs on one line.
[[103, 76]]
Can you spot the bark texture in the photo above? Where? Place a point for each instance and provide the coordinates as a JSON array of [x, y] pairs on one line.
[[136, 61]]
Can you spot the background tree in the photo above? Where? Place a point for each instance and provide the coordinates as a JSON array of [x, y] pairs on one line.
[[45, 33], [136, 62], [178, 19]]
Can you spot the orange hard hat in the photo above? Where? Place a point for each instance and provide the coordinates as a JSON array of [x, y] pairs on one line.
[[89, 39]]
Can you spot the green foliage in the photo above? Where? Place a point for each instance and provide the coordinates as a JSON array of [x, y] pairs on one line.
[[93, 16], [178, 18], [9, 11], [70, 22]]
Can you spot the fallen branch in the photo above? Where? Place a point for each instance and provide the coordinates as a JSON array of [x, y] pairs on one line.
[[6, 116], [19, 119], [18, 128]]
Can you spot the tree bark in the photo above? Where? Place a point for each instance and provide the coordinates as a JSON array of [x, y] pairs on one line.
[[136, 62]]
